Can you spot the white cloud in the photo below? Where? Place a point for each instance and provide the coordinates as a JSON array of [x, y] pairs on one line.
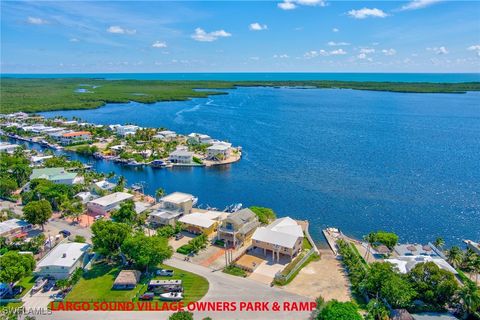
[[418, 4], [254, 58], [257, 26], [293, 4], [335, 29], [333, 43], [281, 56], [120, 30], [438, 50], [367, 50], [74, 40], [389, 52], [366, 12], [202, 35], [338, 52], [159, 44], [37, 21], [313, 53], [476, 48]]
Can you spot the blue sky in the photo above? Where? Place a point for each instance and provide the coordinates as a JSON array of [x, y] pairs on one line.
[[249, 36]]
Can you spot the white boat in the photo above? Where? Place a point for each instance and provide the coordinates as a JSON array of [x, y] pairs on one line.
[[194, 201], [171, 296]]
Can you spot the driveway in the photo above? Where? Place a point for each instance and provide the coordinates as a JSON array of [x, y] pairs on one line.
[[265, 272], [38, 300], [222, 287], [178, 243], [55, 225]]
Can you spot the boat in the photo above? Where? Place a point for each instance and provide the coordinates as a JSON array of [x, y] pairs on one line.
[[171, 296], [194, 201], [157, 164], [134, 163]]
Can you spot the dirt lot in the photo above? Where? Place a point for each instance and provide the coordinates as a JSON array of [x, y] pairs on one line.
[[324, 277]]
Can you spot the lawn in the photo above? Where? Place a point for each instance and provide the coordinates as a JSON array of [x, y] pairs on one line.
[[235, 271], [194, 286], [27, 283], [96, 285], [306, 244]]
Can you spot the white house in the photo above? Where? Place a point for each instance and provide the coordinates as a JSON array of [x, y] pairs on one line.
[[181, 156], [8, 147], [171, 208], [127, 129], [406, 263], [283, 236], [219, 151], [103, 205], [63, 260], [165, 135]]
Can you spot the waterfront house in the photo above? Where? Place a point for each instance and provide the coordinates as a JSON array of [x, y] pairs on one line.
[[197, 138], [475, 246], [56, 175], [238, 227], [8, 147], [101, 186], [38, 160], [166, 135], [75, 137], [202, 222], [62, 260], [219, 151], [104, 205], [170, 208], [126, 129], [181, 156], [127, 280], [405, 264], [283, 236], [14, 228]]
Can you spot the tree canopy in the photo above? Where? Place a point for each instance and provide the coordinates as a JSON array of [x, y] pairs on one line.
[[334, 310], [14, 266], [145, 251], [38, 212], [108, 236], [265, 215], [126, 213]]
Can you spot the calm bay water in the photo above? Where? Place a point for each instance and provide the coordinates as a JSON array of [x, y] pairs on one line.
[[269, 76], [358, 160]]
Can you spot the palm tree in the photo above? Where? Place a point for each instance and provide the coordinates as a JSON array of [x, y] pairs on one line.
[[439, 243], [455, 256], [370, 239], [475, 266], [159, 193], [469, 297]]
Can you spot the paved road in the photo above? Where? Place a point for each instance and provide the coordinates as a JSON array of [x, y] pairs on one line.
[[223, 287], [54, 226]]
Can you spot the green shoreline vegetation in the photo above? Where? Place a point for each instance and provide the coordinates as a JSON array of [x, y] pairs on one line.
[[37, 95]]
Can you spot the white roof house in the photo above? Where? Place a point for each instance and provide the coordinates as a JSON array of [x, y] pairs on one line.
[[177, 198], [62, 261], [406, 263], [116, 197], [283, 232], [8, 147], [13, 226], [105, 204], [197, 219]]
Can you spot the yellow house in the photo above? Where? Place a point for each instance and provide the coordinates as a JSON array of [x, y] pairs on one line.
[[198, 222]]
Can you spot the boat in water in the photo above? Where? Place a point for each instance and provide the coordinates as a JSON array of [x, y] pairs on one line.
[[134, 163], [158, 164], [171, 296]]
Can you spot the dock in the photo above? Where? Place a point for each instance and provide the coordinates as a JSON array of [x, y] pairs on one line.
[[332, 235]]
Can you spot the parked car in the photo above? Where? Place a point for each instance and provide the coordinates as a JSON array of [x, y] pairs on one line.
[[99, 217], [147, 296], [39, 283], [17, 290], [165, 273], [57, 296], [179, 236], [65, 233], [48, 286]]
